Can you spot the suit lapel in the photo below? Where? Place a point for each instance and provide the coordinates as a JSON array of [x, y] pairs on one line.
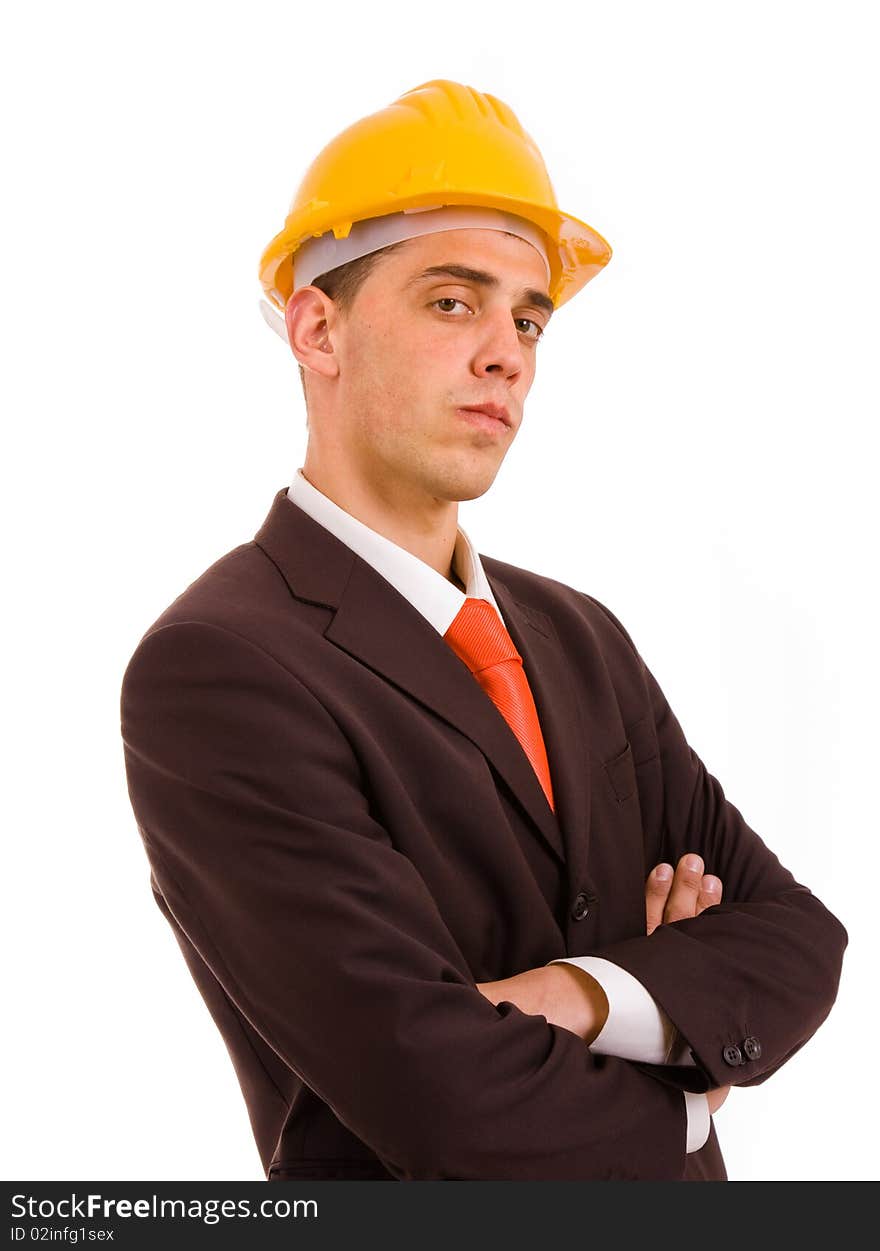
[[378, 626]]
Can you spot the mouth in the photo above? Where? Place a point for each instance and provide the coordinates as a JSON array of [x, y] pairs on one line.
[[492, 417]]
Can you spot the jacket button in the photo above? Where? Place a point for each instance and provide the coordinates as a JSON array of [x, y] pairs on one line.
[[751, 1047], [580, 907], [732, 1055]]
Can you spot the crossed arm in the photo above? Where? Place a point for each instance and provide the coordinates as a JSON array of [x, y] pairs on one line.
[[568, 996], [250, 800]]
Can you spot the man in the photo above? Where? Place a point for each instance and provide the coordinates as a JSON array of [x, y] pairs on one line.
[[401, 800]]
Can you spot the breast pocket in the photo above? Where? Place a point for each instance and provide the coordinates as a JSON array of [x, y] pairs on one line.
[[620, 771]]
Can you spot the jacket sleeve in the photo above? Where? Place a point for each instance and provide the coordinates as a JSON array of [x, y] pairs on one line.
[[259, 832], [749, 980]]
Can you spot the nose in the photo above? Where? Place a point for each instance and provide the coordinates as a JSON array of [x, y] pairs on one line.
[[499, 350]]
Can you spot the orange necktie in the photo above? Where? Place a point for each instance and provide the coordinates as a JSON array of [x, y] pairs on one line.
[[479, 638]]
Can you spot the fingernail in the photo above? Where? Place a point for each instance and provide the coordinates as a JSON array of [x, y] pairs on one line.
[[664, 872], [693, 863], [712, 885]]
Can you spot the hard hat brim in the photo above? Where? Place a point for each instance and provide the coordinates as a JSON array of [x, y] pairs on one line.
[[576, 251]]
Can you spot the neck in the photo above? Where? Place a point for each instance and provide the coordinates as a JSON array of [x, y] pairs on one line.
[[425, 528]]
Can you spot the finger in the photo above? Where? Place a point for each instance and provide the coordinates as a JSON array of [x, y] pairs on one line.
[[657, 890], [716, 1097], [710, 892], [682, 901]]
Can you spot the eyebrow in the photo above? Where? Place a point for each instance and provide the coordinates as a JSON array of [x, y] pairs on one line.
[[481, 279]]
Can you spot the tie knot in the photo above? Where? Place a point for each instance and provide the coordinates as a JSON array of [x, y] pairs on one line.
[[478, 636]]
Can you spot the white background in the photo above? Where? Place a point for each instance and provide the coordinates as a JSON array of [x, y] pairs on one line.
[[697, 453]]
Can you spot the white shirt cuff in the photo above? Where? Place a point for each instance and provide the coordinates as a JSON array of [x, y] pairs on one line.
[[698, 1120], [636, 1028]]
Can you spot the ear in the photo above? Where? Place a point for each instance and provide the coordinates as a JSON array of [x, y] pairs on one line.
[[310, 316]]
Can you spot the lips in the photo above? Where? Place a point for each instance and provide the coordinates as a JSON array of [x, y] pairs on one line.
[[485, 421], [498, 411]]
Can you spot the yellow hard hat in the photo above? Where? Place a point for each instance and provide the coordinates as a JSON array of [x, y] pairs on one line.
[[441, 143]]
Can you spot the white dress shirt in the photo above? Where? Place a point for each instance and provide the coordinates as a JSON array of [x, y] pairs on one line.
[[636, 1028]]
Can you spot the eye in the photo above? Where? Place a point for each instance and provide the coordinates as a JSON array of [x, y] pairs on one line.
[[529, 322], [448, 299]]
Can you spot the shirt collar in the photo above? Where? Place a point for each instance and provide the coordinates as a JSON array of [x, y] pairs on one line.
[[434, 596]]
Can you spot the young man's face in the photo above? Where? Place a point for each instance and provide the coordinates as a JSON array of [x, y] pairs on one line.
[[414, 349]]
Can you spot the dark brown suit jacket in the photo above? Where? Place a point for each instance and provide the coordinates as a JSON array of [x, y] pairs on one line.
[[345, 836]]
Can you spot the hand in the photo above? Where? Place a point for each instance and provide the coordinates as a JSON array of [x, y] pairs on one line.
[[563, 993], [686, 893], [716, 1097], [527, 990]]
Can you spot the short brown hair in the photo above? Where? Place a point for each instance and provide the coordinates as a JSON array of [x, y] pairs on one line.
[[343, 283]]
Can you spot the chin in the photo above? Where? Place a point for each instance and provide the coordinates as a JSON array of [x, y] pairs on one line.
[[474, 493], [469, 486]]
